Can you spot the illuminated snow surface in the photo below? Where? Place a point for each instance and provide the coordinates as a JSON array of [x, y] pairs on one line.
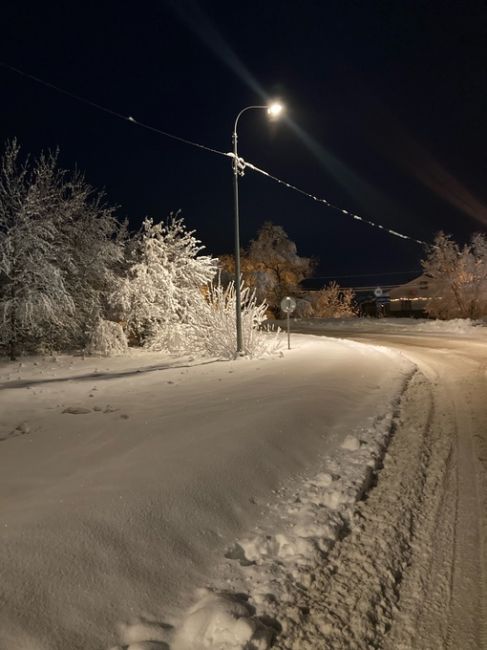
[[391, 325], [150, 502]]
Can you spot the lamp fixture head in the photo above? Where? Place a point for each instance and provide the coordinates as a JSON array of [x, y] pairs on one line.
[[275, 109]]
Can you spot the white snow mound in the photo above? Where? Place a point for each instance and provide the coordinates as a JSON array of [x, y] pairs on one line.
[[221, 622], [351, 443]]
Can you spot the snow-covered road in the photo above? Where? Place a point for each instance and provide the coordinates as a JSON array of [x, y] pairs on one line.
[[435, 476], [128, 483]]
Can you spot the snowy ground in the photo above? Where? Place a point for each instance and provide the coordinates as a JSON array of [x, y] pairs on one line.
[[152, 503], [460, 326]]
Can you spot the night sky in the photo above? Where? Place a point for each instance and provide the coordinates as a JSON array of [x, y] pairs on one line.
[[386, 115]]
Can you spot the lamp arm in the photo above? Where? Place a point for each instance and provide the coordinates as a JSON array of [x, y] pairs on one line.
[[247, 108]]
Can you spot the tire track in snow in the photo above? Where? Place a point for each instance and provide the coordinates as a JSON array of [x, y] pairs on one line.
[[479, 447], [454, 617], [469, 607], [354, 599], [443, 593]]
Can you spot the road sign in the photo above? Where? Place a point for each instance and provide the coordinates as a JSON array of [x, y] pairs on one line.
[[288, 305], [378, 292]]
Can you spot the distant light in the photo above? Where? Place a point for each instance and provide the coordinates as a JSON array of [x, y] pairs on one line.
[[131, 119], [275, 109]]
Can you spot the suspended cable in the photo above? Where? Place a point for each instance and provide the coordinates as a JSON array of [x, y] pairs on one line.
[[127, 118], [242, 164]]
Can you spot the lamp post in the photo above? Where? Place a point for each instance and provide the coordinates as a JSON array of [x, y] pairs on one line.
[[273, 110]]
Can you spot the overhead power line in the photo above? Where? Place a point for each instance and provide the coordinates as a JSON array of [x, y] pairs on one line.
[[329, 204], [109, 111], [243, 164]]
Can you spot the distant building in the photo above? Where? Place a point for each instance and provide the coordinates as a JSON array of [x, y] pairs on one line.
[[412, 297], [369, 301]]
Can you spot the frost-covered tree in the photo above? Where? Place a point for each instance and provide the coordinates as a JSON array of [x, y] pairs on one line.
[[59, 249], [34, 298], [476, 267], [165, 281], [272, 266], [92, 248], [458, 277]]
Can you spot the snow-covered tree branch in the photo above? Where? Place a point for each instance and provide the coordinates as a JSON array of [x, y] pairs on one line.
[[164, 284], [59, 248], [459, 277], [213, 330]]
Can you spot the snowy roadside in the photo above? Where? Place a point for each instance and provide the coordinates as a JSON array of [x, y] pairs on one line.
[[456, 326], [256, 601], [167, 476]]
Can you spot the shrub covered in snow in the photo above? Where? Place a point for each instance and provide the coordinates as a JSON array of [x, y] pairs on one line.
[[107, 338], [333, 302], [213, 331], [164, 283], [69, 272]]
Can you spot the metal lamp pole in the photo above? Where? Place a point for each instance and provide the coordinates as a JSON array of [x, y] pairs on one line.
[[236, 173], [273, 110]]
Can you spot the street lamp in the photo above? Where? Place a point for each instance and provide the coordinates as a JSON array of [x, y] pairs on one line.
[[274, 110]]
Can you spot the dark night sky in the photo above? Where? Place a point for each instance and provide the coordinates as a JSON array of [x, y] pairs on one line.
[[392, 96]]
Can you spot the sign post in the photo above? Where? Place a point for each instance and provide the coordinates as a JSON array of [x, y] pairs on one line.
[[380, 301], [288, 305]]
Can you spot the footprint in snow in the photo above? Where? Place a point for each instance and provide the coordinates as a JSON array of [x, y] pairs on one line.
[[221, 618], [20, 430], [144, 635]]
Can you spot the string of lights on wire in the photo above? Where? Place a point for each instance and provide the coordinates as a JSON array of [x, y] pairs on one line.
[[242, 164], [246, 165]]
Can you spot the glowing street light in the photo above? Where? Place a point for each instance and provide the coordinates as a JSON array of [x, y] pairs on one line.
[[274, 110]]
